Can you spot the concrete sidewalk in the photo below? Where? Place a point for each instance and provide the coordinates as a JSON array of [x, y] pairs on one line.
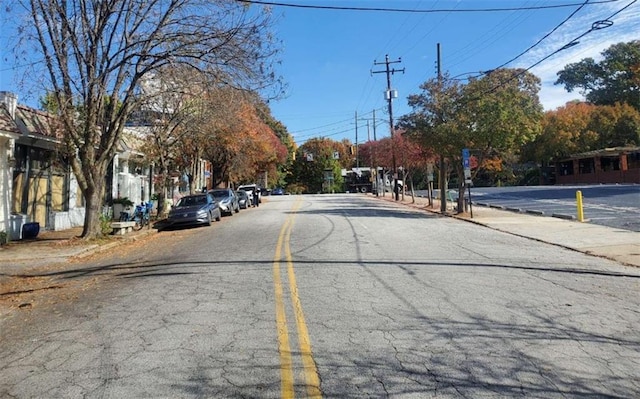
[[620, 245], [54, 247]]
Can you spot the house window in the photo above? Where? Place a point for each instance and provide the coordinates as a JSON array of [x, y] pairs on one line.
[[609, 164], [586, 166], [633, 160], [21, 158], [566, 168]]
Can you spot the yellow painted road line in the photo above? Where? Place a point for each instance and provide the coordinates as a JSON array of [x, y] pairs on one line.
[[284, 349], [310, 371]]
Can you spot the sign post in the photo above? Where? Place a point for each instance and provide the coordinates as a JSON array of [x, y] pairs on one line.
[[430, 183], [467, 175]]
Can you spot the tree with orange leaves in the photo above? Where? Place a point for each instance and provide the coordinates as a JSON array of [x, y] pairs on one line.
[[241, 146]]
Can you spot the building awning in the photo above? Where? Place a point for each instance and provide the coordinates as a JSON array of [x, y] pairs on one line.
[[614, 151]]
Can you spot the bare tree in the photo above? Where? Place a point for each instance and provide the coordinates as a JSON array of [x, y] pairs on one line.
[[97, 52]]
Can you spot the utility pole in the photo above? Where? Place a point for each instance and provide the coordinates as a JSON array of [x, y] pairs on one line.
[[374, 126], [443, 175], [356, 149], [373, 158], [390, 95]]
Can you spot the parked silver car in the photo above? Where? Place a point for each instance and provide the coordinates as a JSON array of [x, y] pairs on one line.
[[227, 199], [243, 199], [194, 209]]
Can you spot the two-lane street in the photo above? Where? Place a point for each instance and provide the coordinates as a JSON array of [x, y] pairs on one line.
[[343, 296]]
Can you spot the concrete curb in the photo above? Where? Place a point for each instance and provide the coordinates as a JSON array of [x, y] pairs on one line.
[[561, 216], [534, 212]]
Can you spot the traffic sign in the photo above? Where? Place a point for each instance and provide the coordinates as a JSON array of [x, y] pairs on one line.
[[467, 165]]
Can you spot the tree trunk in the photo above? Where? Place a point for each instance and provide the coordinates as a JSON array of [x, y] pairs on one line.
[[413, 191], [92, 228], [443, 183], [162, 190]]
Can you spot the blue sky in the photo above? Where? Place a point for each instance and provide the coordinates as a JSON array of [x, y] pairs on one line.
[[328, 55]]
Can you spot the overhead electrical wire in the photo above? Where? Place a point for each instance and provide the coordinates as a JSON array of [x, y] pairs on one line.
[[545, 36], [488, 38], [342, 122], [595, 26], [418, 11], [598, 25], [323, 126]]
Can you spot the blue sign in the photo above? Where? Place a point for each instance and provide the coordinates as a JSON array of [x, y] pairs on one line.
[[465, 158]]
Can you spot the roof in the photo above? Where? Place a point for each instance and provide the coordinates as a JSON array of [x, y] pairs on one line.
[[36, 123], [7, 124], [603, 152]]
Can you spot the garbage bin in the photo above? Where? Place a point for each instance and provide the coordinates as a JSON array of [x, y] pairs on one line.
[[17, 220]]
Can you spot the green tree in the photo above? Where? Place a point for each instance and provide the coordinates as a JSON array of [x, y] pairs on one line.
[[614, 79], [314, 160], [435, 124], [493, 115]]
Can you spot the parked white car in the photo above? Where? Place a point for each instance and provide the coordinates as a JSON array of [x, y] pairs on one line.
[[252, 190]]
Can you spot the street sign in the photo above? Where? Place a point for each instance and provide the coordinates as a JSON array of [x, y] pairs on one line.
[[466, 165]]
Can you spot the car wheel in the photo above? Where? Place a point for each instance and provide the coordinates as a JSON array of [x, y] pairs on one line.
[[218, 217], [208, 219]]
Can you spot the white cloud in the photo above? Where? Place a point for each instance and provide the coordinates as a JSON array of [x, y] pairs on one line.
[[624, 29], [553, 97]]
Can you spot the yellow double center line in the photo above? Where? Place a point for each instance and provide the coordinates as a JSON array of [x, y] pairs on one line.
[[312, 381]]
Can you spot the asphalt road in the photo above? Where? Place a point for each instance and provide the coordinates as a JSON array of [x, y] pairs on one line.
[[606, 205], [340, 296]]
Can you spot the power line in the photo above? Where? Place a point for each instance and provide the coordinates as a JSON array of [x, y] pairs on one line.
[[597, 25], [546, 36], [348, 121], [323, 126], [488, 39], [418, 11]]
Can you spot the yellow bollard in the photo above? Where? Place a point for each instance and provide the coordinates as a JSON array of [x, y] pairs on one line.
[[579, 205]]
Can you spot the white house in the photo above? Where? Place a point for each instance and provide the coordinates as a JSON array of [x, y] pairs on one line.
[[8, 135]]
